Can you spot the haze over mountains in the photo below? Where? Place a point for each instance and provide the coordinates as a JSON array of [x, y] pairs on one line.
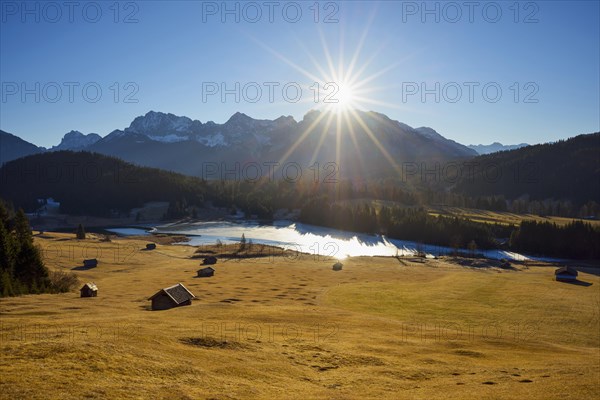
[[495, 147], [368, 144], [368, 148]]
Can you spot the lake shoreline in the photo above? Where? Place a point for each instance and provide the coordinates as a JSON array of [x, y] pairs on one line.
[[196, 233]]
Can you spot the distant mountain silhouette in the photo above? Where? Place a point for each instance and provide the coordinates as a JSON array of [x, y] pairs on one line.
[[369, 144], [495, 147], [76, 140], [13, 147], [365, 144]]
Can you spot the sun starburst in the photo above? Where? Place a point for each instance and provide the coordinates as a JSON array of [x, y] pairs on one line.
[[341, 86]]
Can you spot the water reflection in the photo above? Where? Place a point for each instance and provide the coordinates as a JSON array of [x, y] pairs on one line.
[[314, 239]]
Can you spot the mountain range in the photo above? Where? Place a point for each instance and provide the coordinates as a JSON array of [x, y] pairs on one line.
[[76, 140], [13, 147], [495, 147], [368, 144], [369, 147]]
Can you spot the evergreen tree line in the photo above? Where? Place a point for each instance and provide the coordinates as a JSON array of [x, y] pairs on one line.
[[564, 170], [93, 184], [577, 239], [414, 224], [263, 198], [22, 270]]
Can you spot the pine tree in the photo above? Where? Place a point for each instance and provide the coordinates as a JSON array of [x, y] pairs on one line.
[[7, 256], [3, 212], [7, 249], [80, 232], [22, 230], [21, 267], [30, 269], [243, 242], [6, 284]]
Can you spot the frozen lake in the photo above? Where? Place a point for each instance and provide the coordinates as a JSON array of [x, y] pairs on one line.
[[311, 239]]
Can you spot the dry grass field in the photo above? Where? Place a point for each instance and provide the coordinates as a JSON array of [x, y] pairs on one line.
[[290, 327]]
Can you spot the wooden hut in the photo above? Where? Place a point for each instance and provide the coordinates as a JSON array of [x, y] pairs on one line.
[[337, 266], [212, 260], [89, 290], [172, 296], [565, 274], [206, 272], [150, 246], [90, 263]]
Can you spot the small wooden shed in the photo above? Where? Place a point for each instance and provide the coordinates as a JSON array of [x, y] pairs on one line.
[[206, 272], [150, 246], [89, 290], [565, 274], [172, 296], [90, 263], [337, 266], [212, 260]]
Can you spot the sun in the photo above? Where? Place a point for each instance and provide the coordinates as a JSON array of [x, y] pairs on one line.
[[336, 95], [344, 99], [343, 87]]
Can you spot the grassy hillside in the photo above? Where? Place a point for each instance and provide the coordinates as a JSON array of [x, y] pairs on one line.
[[290, 327]]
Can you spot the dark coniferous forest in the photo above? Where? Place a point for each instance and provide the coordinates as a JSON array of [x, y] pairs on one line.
[[92, 184]]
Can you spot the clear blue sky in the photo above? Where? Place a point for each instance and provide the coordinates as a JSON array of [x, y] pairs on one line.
[[550, 48]]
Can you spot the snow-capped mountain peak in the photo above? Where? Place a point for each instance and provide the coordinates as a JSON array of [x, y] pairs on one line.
[[161, 124]]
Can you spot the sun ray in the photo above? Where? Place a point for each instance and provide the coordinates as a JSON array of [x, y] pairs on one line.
[[307, 132], [287, 61], [353, 91], [360, 45], [313, 158], [316, 64], [355, 142], [327, 54], [376, 142], [338, 145], [376, 75]]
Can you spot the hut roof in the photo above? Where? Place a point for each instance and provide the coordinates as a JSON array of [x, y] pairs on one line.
[[209, 260], [206, 269], [566, 271], [178, 293], [90, 285]]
